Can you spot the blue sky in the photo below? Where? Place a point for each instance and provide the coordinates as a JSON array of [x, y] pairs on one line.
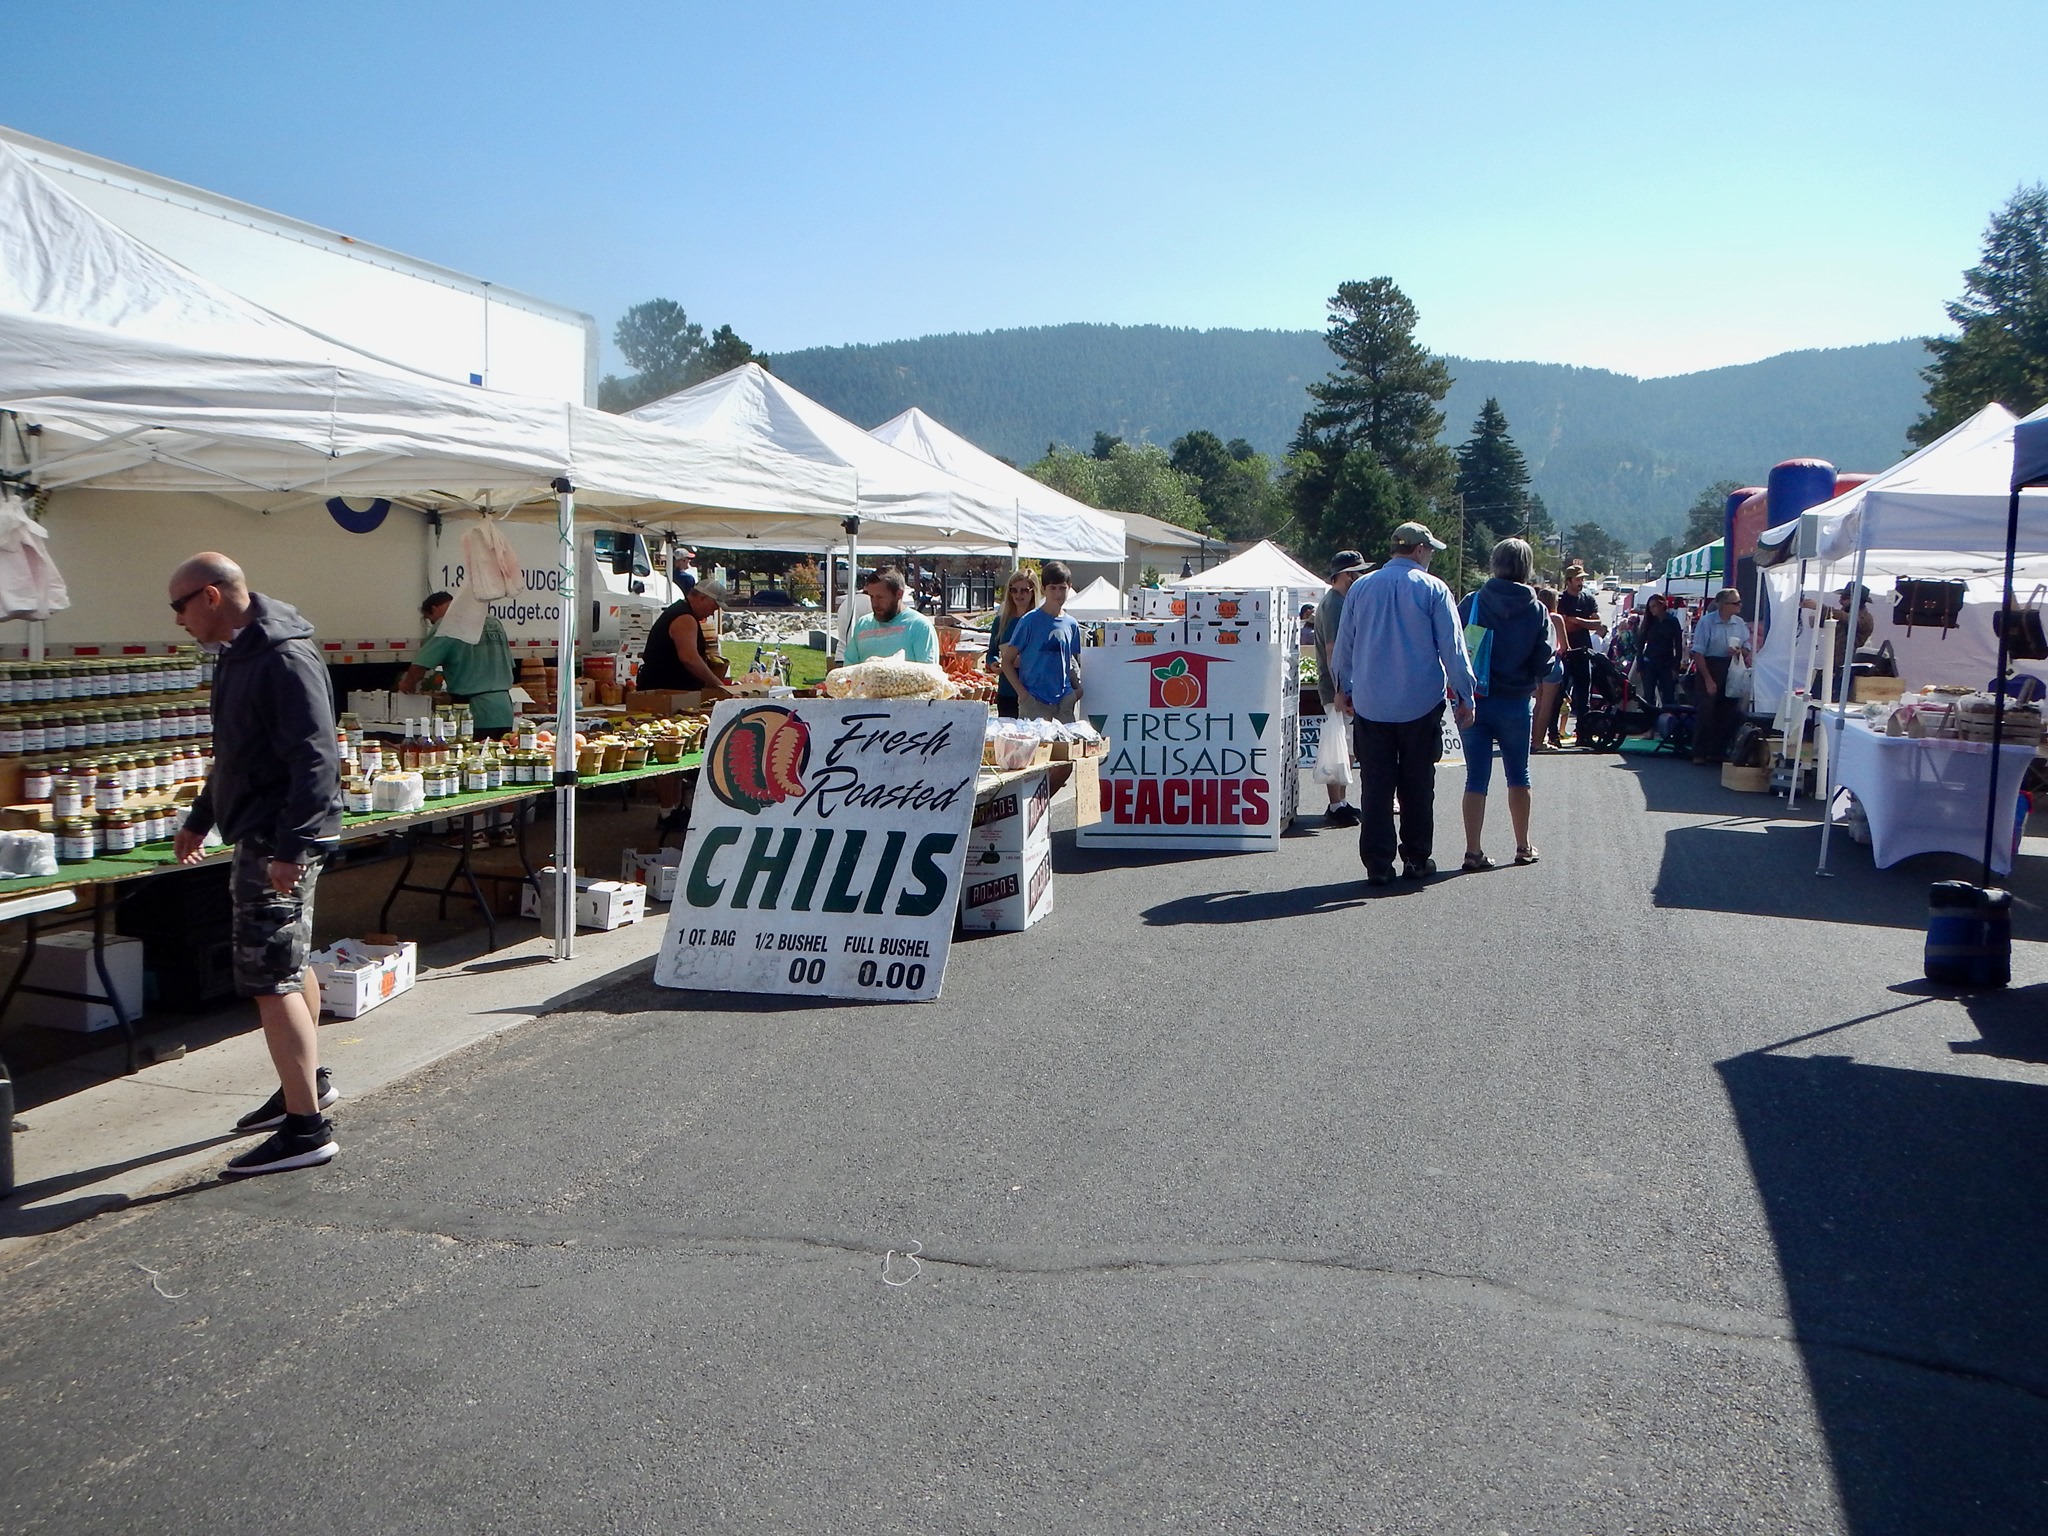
[[1645, 187]]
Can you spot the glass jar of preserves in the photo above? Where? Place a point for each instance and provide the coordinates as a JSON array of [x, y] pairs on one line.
[[109, 792], [117, 832], [358, 798], [67, 797], [74, 840], [35, 782]]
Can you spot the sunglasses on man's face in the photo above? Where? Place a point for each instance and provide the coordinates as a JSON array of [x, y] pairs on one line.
[[178, 603]]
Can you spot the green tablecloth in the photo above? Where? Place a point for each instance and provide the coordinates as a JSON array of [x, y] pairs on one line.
[[153, 858]]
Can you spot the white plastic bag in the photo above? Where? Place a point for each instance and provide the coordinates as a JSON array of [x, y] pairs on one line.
[[1738, 678], [492, 568], [1333, 752]]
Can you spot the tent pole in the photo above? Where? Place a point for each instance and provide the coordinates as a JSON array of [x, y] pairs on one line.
[[1848, 671], [565, 724], [2004, 628], [830, 613]]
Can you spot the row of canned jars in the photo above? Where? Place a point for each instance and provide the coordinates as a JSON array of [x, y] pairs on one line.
[[119, 831], [107, 781], [24, 735], [103, 677]]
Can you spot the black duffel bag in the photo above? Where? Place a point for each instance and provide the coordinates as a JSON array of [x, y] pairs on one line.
[[1922, 603]]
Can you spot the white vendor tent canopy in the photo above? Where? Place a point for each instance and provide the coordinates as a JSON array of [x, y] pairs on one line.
[[1939, 514], [141, 375], [903, 501], [1049, 524], [1262, 567], [1100, 599]]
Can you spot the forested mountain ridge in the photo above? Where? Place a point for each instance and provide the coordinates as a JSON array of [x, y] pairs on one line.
[[1627, 453]]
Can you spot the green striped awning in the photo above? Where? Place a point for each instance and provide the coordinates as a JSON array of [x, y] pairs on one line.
[[1696, 563]]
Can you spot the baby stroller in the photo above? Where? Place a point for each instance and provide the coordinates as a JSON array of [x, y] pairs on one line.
[[1612, 715]]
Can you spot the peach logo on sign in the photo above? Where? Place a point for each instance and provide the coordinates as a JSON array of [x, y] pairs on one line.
[[1180, 680], [1226, 608]]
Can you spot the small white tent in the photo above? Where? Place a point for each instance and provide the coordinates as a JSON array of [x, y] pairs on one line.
[[1099, 600], [1049, 525], [1262, 567]]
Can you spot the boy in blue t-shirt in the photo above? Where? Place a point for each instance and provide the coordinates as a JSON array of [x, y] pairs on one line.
[[1042, 656]]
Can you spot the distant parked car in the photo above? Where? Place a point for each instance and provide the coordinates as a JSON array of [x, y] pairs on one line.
[[772, 597]]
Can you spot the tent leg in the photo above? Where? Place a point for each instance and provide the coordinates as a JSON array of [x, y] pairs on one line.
[[565, 725], [1827, 807], [1991, 817]]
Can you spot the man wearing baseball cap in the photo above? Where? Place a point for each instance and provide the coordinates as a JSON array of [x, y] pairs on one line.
[[1345, 567], [1399, 651]]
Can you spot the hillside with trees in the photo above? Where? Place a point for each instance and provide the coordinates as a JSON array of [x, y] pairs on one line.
[[1628, 454]]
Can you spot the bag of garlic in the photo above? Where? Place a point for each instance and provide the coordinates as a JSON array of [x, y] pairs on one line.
[[887, 677]]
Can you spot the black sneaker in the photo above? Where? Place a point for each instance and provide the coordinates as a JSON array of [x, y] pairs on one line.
[[270, 1114], [286, 1149], [1379, 877], [1341, 815], [1420, 871]]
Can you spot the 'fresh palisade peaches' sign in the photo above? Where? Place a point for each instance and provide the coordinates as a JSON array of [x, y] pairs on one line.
[[826, 844], [1201, 744]]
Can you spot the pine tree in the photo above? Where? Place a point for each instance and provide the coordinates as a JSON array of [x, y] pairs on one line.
[[1384, 391], [1493, 480], [2002, 353]]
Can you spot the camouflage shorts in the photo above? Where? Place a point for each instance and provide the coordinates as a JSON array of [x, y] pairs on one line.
[[273, 932]]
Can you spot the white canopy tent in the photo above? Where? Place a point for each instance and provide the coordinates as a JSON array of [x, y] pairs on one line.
[[1100, 599], [1262, 567], [1939, 513], [120, 369], [1950, 511], [1049, 525]]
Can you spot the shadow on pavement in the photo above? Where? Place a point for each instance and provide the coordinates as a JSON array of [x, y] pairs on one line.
[[1678, 785], [1905, 1207], [22, 1214], [1767, 869], [2013, 1024], [1267, 906]]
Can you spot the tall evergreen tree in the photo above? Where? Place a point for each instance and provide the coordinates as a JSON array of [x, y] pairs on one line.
[[1384, 391], [1493, 480], [2002, 353], [668, 351]]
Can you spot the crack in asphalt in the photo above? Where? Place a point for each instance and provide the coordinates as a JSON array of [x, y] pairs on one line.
[[1771, 1334]]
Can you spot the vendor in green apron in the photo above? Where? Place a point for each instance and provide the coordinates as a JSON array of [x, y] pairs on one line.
[[478, 675]]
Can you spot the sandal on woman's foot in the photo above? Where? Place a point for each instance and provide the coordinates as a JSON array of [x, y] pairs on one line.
[[1526, 855], [1475, 863]]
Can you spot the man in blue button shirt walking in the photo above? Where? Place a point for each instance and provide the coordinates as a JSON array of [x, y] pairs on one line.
[[1399, 651]]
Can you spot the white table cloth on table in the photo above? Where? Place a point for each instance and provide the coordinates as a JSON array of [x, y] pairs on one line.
[[1923, 796]]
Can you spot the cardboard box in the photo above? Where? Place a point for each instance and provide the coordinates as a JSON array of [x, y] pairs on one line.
[[1751, 781], [664, 701], [1208, 606], [1139, 634], [656, 871], [600, 904], [1207, 632], [1017, 816], [356, 976], [64, 961], [1006, 892]]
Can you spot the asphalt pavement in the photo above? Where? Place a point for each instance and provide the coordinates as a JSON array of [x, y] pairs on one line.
[[1644, 1189]]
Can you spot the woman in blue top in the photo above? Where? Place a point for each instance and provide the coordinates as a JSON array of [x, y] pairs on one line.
[[1518, 659], [1020, 596], [1042, 657]]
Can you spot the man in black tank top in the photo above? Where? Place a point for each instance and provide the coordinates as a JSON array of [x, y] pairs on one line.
[[679, 653]]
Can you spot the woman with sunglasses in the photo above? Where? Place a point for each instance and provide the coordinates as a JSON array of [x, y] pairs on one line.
[[1020, 596]]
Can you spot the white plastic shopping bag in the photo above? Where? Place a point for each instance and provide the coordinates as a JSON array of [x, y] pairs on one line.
[[1333, 754]]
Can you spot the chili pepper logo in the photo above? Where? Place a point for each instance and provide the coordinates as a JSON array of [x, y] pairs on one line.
[[759, 759]]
